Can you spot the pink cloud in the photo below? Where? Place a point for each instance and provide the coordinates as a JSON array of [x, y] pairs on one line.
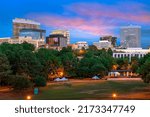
[[95, 27], [128, 12], [96, 18]]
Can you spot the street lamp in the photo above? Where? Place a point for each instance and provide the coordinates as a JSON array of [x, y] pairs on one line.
[[114, 95], [28, 97]]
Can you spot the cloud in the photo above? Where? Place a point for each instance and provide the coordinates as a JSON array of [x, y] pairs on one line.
[[135, 12], [94, 26], [96, 18]]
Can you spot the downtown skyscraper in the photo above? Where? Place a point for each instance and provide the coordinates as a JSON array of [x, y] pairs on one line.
[[130, 36]]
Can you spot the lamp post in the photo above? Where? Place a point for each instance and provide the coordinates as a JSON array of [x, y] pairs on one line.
[[28, 97], [114, 96]]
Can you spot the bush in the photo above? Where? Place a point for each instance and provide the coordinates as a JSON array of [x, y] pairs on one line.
[[40, 81], [20, 83]]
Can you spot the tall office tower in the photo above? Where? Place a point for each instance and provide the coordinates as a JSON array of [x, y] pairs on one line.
[[19, 24], [131, 36], [63, 32], [111, 39]]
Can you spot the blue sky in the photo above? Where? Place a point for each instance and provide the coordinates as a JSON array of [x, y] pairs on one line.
[[86, 19]]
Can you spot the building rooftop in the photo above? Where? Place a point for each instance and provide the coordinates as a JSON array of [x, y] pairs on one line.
[[25, 21]]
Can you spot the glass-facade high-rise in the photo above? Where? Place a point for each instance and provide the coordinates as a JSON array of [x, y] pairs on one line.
[[19, 24], [131, 36], [34, 33]]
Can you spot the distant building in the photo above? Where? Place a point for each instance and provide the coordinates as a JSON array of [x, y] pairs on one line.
[[37, 43], [73, 46], [65, 33], [36, 34], [102, 44], [130, 52], [19, 24], [111, 39], [82, 44], [56, 41], [4, 40], [131, 36]]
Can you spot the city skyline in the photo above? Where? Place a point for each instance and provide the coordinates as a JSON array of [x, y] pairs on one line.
[[85, 20]]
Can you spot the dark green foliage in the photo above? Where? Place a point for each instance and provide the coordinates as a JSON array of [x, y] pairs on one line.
[[4, 69], [95, 63], [110, 52], [28, 46], [144, 70], [20, 82], [123, 63], [49, 60], [69, 61], [40, 81]]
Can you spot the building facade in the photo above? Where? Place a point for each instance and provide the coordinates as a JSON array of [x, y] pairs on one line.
[[65, 33], [111, 39], [130, 52], [19, 24], [36, 34], [37, 43], [56, 41], [130, 36], [82, 44], [102, 44]]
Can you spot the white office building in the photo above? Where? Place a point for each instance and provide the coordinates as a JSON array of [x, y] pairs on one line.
[[130, 52]]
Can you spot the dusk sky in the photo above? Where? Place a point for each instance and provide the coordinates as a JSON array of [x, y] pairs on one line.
[[87, 20]]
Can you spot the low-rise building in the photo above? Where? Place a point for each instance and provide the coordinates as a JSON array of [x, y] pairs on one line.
[[103, 44], [37, 43], [82, 44], [56, 41], [130, 52]]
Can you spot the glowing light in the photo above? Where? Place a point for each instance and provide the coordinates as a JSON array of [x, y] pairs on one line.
[[28, 97], [114, 95]]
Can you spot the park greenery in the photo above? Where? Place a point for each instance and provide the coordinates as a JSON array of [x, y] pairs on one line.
[[22, 66]]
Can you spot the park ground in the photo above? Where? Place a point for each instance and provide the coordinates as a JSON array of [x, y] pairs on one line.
[[84, 90]]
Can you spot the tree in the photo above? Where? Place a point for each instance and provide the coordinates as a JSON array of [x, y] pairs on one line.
[[28, 64], [40, 81], [144, 70], [49, 60], [28, 46], [20, 82], [110, 52], [69, 61], [123, 63], [4, 69], [92, 48]]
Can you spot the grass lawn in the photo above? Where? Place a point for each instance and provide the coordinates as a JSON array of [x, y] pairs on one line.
[[95, 90]]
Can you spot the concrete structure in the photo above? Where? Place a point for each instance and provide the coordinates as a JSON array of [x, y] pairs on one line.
[[56, 41], [131, 36], [19, 24], [65, 33], [82, 44], [130, 52], [111, 39], [4, 40], [102, 44], [37, 43]]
